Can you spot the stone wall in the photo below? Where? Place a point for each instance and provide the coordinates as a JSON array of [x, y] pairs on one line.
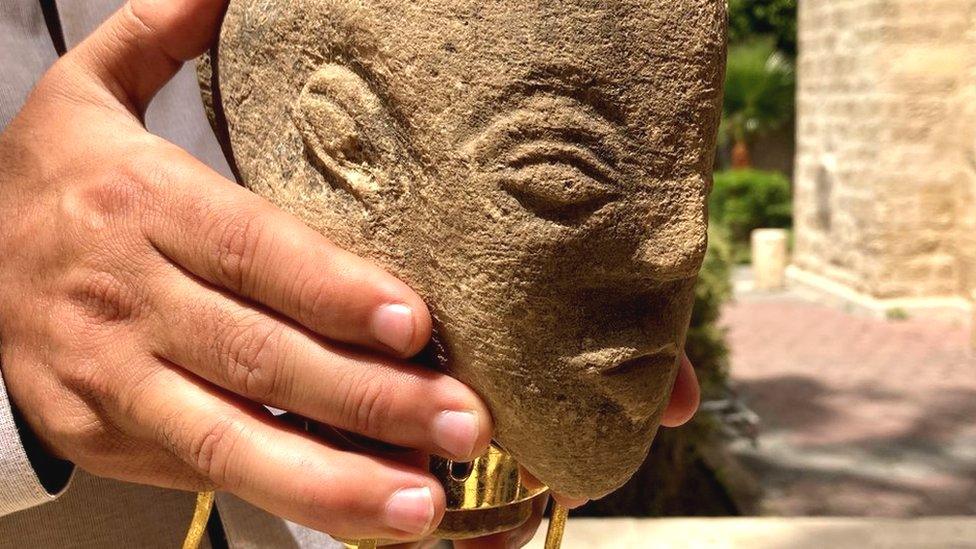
[[967, 191], [886, 150]]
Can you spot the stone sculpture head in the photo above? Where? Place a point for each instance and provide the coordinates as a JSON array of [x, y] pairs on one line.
[[537, 170]]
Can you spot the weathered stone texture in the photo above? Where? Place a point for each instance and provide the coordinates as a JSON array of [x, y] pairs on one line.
[[885, 155], [538, 172]]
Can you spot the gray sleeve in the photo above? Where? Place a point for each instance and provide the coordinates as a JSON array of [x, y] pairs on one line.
[[20, 488], [26, 51]]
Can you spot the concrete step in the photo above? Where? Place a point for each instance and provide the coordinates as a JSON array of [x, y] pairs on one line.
[[767, 533]]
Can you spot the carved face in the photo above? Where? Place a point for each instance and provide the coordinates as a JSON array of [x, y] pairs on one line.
[[537, 172]]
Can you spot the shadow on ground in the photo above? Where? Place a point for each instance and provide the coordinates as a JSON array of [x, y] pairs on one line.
[[861, 449], [860, 416]]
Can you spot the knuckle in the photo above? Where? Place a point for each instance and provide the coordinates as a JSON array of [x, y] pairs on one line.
[[251, 354], [209, 451], [86, 379], [135, 20], [119, 189], [366, 405], [118, 193], [103, 297], [212, 451], [93, 205], [317, 301], [77, 428], [77, 425], [236, 244]]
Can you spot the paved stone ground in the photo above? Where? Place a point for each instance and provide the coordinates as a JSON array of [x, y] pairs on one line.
[[860, 416]]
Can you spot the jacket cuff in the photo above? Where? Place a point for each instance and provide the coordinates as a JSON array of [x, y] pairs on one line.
[[23, 464]]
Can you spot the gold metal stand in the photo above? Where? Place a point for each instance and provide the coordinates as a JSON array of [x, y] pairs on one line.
[[554, 534], [484, 497], [198, 525], [557, 526]]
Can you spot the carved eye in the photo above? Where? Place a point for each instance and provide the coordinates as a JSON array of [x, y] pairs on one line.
[[559, 182]]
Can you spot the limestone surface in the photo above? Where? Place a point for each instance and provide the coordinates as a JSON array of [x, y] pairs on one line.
[[885, 182], [538, 171]]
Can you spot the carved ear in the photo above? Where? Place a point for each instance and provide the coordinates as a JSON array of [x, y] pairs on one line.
[[348, 132]]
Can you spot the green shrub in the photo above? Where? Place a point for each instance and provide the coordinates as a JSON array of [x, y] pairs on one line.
[[751, 19], [705, 343], [744, 200], [897, 314]]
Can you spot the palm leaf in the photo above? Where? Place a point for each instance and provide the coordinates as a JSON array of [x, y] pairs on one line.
[[759, 87]]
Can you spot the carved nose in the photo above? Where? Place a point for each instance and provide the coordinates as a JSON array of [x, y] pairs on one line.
[[674, 250], [671, 263]]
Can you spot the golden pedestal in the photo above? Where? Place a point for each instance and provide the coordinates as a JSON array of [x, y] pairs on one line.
[[484, 497]]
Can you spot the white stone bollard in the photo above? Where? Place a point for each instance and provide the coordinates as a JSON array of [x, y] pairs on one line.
[[769, 258]]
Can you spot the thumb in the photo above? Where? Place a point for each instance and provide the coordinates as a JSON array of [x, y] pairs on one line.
[[137, 50]]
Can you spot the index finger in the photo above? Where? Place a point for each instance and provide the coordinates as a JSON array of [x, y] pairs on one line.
[[236, 240]]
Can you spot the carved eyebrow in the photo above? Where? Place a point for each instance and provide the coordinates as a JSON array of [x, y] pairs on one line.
[[547, 117], [568, 80]]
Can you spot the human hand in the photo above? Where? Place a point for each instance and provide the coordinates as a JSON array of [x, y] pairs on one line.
[[147, 305]]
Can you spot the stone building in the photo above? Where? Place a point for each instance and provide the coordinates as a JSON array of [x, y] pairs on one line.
[[885, 175]]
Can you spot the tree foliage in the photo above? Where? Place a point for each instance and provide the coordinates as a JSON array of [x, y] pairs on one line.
[[759, 86], [753, 19]]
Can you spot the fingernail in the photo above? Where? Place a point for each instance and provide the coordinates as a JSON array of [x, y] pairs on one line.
[[456, 433], [393, 326], [410, 510]]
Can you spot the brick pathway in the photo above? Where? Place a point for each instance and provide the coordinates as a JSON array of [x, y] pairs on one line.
[[861, 416]]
